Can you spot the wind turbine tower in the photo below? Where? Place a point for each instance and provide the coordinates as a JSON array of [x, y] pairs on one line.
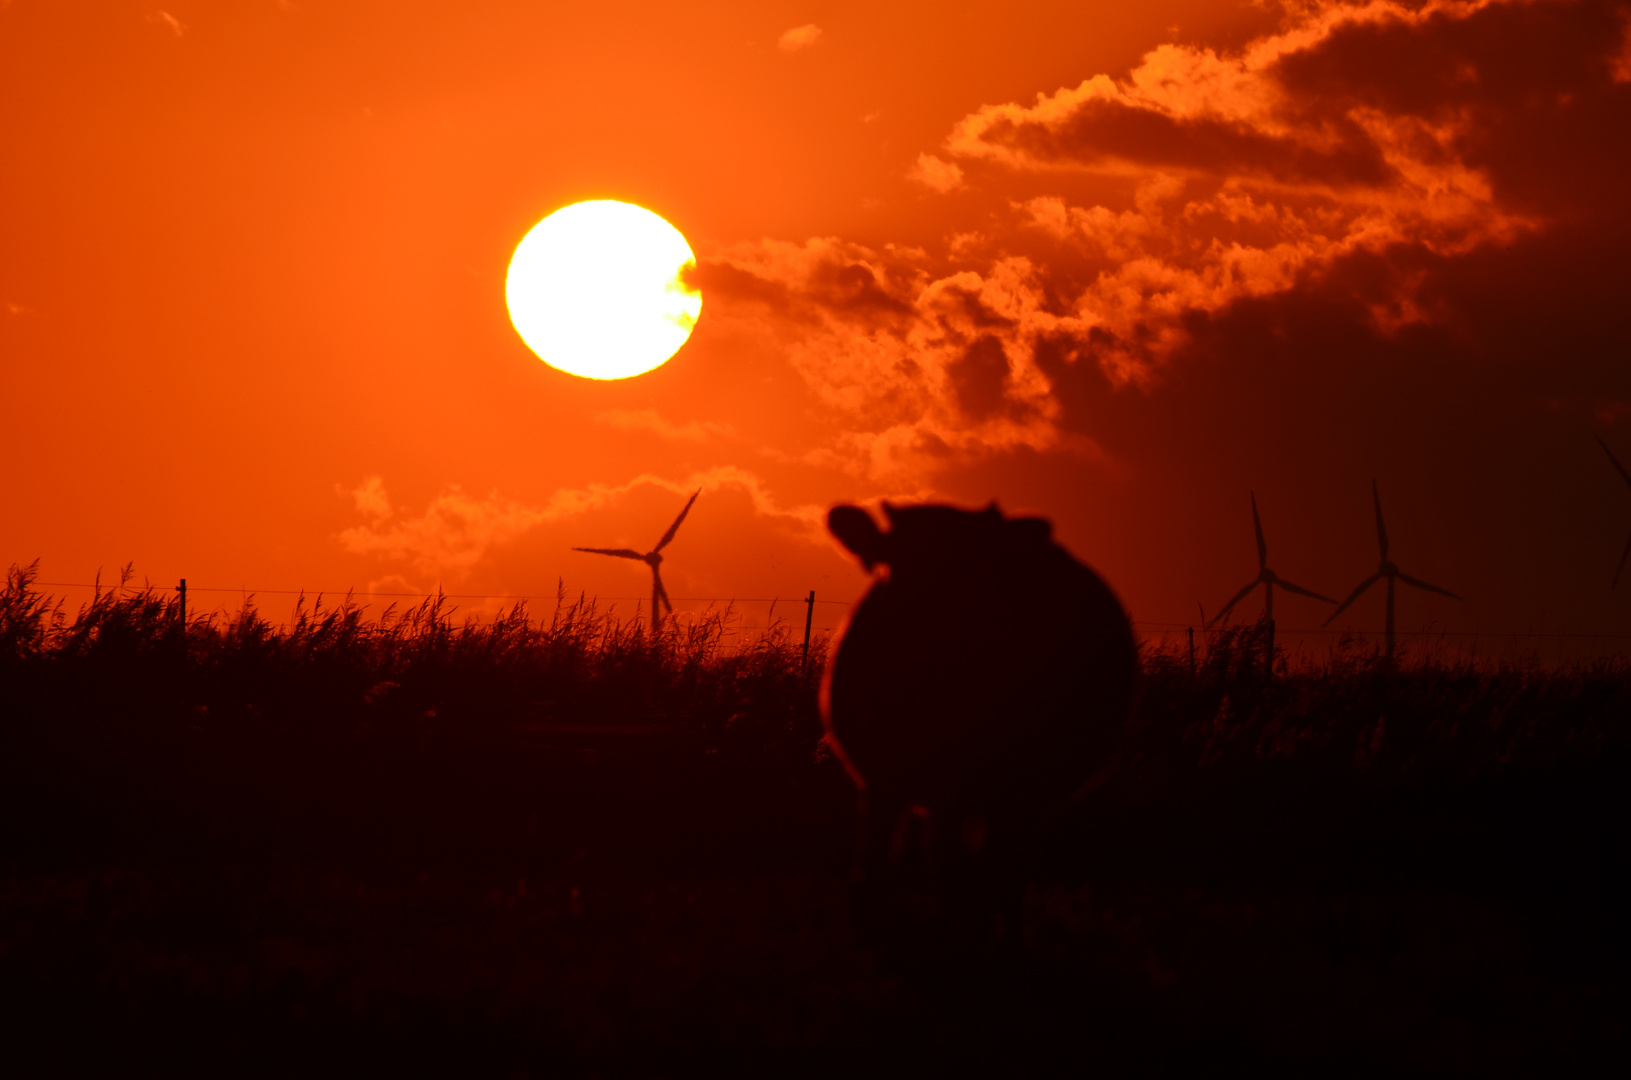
[[1626, 476], [653, 559], [1388, 570]]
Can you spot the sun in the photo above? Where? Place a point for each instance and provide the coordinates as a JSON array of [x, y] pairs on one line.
[[595, 290]]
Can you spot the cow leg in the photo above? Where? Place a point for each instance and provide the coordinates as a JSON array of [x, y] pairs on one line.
[[985, 881], [876, 811], [894, 894]]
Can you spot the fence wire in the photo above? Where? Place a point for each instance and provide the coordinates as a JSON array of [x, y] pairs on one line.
[[1156, 628]]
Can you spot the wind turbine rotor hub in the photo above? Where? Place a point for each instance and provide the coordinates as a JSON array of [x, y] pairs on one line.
[[654, 558]]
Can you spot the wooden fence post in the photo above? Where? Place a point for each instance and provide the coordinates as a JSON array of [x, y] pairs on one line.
[[809, 617]]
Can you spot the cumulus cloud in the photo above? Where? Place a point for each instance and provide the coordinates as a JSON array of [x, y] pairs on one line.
[[450, 536], [1252, 171], [935, 174], [799, 37], [1378, 134], [457, 530], [921, 365]]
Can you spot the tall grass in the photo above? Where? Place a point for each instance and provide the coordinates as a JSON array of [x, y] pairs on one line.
[[336, 668], [1428, 718], [538, 837]]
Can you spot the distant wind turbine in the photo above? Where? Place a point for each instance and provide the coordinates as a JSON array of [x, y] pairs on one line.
[[1387, 570], [1265, 577], [653, 559], [1626, 476]]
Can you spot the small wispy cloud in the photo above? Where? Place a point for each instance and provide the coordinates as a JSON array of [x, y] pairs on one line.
[[456, 530], [452, 535], [800, 37], [164, 18], [649, 420], [935, 174], [371, 499]]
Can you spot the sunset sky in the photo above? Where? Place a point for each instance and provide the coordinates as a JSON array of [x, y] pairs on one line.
[[1115, 264]]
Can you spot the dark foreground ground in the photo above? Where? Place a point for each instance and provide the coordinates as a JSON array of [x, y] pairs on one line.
[[265, 860]]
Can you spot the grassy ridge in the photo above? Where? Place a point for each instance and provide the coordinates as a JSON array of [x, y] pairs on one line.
[[533, 847]]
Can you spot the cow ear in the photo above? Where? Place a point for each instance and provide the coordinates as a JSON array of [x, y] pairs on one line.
[[857, 531]]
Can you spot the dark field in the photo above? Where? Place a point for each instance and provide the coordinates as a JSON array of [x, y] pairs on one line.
[[357, 846]]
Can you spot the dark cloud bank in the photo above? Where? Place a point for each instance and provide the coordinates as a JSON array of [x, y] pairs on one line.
[[1387, 241]]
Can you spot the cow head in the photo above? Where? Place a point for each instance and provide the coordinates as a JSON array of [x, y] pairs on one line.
[[933, 536]]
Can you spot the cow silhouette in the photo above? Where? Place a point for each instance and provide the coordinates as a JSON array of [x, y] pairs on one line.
[[984, 679]]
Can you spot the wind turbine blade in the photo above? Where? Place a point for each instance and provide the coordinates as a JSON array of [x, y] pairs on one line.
[[1262, 546], [1381, 526], [657, 580], [1239, 596], [1626, 554], [1300, 591], [1626, 476], [674, 528], [1420, 584], [621, 553], [1363, 585]]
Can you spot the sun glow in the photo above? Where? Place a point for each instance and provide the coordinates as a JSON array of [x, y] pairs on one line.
[[595, 290]]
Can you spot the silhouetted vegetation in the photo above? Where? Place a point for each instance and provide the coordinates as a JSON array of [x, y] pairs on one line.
[[355, 843]]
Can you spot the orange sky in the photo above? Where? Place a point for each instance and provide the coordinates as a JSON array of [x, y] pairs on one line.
[[1115, 264]]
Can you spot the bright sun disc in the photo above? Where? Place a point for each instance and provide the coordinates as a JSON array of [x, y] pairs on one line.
[[594, 289]]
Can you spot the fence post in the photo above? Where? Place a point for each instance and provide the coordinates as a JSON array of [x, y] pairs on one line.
[[809, 617], [182, 590]]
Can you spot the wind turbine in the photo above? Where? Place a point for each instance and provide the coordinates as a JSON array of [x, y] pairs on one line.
[[1387, 570], [653, 559], [1626, 476], [1265, 577]]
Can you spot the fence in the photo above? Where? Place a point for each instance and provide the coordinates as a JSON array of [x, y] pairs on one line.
[[1291, 640], [183, 589]]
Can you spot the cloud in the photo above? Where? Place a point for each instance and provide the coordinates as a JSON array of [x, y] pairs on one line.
[[451, 536], [371, 499], [799, 37], [922, 367], [1367, 150], [165, 19], [935, 174], [456, 530], [1253, 171], [649, 420]]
